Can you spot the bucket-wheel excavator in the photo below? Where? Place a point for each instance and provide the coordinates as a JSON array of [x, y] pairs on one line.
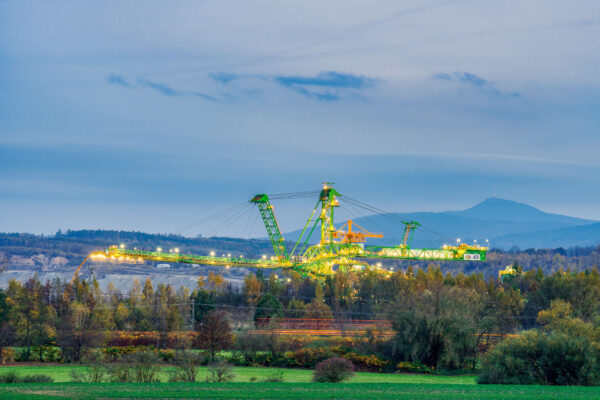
[[338, 249]]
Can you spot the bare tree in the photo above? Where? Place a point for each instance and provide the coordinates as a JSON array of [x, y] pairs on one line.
[[214, 334]]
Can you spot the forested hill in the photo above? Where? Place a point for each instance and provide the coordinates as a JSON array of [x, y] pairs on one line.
[[75, 245]]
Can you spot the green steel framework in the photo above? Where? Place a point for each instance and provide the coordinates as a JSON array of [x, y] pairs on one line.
[[268, 217], [317, 260]]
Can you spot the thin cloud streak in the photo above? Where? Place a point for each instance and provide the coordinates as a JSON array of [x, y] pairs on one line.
[[334, 83], [472, 80], [160, 87], [325, 86], [222, 77], [330, 79], [163, 88], [114, 79]]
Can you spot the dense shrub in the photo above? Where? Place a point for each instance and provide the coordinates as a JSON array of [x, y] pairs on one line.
[[186, 364], [141, 366], [120, 372], [51, 353], [172, 340], [309, 357], [166, 355], [9, 377], [368, 362], [220, 372], [335, 369], [414, 367], [272, 360], [552, 358], [296, 342], [94, 371], [124, 338], [247, 347], [12, 377], [8, 355], [38, 353], [91, 374], [144, 365], [116, 353], [21, 354], [275, 376], [37, 378]]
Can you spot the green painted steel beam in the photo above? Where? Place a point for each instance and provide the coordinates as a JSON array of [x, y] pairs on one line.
[[268, 216], [125, 255]]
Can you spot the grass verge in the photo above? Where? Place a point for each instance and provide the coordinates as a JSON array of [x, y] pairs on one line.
[[260, 390]]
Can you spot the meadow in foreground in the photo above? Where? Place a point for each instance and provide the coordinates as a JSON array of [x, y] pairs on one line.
[[61, 373], [261, 390], [297, 385]]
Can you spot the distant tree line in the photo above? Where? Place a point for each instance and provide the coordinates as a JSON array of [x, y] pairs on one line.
[[76, 245]]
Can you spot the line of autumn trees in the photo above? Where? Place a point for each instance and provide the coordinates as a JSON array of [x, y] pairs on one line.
[[440, 320]]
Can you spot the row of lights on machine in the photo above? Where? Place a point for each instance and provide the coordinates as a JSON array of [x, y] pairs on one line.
[[212, 253], [487, 242], [158, 249]]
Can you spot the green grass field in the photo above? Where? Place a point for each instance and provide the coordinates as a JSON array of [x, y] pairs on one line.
[[260, 390], [61, 373], [296, 385]]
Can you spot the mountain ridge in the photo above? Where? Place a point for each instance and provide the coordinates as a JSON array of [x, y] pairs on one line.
[[517, 211], [495, 221]]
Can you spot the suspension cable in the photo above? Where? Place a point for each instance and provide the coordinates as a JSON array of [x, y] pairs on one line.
[[212, 217], [226, 223], [394, 216]]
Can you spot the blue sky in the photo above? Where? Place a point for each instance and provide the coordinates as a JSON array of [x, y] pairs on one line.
[[148, 115]]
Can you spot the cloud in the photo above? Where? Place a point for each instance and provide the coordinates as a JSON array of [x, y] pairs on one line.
[[114, 79], [208, 97], [326, 96], [473, 80], [326, 79], [222, 77], [333, 82], [164, 89], [325, 86], [442, 77], [161, 87]]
